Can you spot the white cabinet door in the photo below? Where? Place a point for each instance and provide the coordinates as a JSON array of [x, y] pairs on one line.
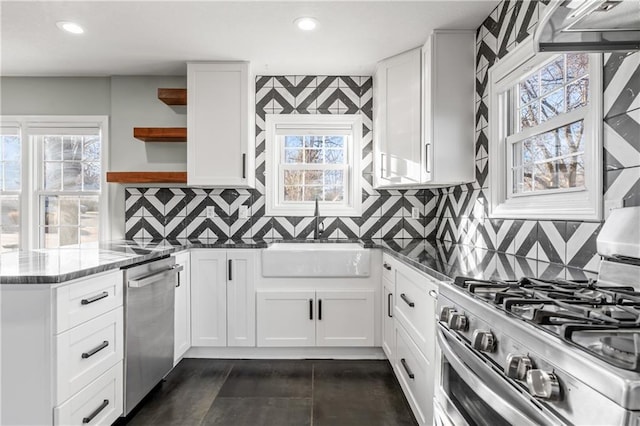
[[182, 318], [398, 119], [345, 318], [208, 298], [241, 298], [219, 141], [388, 332], [286, 318]]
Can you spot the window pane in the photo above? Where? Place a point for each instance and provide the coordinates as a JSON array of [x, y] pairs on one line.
[[529, 89], [551, 76], [91, 176], [53, 176], [577, 65], [11, 148], [313, 156], [313, 141], [292, 193], [292, 141], [334, 156], [578, 94], [72, 180], [293, 177], [334, 142], [72, 148], [313, 177], [51, 237], [9, 238], [334, 178], [91, 148], [529, 116], [89, 219], [552, 105], [52, 148], [69, 209], [312, 192], [11, 176], [9, 211], [334, 193], [293, 156], [68, 235], [51, 211]]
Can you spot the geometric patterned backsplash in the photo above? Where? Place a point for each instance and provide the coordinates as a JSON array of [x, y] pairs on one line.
[[461, 211], [155, 213], [456, 214]]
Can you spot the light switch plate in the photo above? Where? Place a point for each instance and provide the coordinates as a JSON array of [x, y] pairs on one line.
[[243, 212], [211, 212]]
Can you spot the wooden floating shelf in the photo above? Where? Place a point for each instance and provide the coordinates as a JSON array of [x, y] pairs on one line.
[[173, 97], [147, 177], [160, 134]]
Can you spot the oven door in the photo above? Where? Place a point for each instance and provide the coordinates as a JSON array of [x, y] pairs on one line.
[[473, 392]]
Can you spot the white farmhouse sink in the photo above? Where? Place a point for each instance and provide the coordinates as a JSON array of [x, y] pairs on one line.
[[315, 260]]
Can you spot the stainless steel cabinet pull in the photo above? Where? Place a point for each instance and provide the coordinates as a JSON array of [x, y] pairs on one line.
[[433, 294], [386, 266], [96, 412], [244, 166], [407, 369], [426, 155], [389, 305], [310, 309], [407, 301], [94, 298], [95, 350], [178, 283], [230, 269], [319, 309]]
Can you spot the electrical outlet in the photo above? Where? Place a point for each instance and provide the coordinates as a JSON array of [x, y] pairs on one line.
[[415, 213], [243, 213], [211, 212]]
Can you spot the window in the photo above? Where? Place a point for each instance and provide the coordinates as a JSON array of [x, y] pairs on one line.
[[313, 157], [57, 199], [545, 129]]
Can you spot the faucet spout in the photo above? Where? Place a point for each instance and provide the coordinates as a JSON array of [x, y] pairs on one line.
[[318, 225]]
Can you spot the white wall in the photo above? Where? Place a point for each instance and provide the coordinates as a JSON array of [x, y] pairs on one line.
[[128, 101]]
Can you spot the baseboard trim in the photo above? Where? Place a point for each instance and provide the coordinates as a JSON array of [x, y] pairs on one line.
[[286, 353]]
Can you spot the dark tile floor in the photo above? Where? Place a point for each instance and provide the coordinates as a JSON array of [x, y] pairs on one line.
[[278, 393]]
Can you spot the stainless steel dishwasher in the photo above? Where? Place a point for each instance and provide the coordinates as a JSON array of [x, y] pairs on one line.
[[148, 326]]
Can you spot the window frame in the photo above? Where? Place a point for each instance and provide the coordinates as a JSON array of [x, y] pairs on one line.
[[310, 124], [563, 204], [32, 172]]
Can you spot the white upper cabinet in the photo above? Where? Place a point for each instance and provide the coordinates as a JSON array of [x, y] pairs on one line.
[[220, 142], [424, 120], [447, 107], [396, 122]]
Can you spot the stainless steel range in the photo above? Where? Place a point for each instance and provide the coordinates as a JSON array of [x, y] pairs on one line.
[[546, 351]]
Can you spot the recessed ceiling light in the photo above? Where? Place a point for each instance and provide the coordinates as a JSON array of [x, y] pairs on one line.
[[70, 27], [306, 24]]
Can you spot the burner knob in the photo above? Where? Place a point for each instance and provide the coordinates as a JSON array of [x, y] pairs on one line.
[[446, 312], [518, 366], [483, 341], [543, 385], [457, 321]]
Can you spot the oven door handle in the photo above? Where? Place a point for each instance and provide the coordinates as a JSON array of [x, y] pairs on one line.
[[506, 409]]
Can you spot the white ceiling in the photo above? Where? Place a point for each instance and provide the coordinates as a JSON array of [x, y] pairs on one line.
[[158, 37]]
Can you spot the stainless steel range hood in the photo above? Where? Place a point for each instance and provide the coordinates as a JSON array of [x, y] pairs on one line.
[[589, 26]]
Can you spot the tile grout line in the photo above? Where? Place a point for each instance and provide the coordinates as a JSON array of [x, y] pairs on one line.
[[313, 369]]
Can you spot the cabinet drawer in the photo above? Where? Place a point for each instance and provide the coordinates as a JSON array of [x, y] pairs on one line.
[[388, 268], [87, 299], [415, 374], [87, 351], [100, 403], [415, 306]]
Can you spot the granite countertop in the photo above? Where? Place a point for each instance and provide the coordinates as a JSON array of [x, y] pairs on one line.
[[442, 260]]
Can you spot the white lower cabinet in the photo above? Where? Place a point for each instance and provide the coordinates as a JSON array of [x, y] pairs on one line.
[[223, 297], [182, 313], [100, 403], [315, 318], [409, 333], [62, 352]]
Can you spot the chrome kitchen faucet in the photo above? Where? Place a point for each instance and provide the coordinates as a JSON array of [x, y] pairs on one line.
[[318, 228]]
